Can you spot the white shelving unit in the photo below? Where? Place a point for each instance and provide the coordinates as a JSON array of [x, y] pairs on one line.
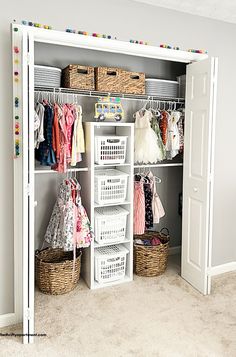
[[106, 128]]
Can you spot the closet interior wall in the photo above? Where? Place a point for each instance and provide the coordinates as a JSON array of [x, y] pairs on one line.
[[46, 185]]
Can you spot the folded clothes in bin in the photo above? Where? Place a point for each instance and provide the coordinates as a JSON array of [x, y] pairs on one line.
[[148, 242]]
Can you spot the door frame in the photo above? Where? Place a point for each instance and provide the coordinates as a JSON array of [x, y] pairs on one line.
[[73, 40], [20, 40]]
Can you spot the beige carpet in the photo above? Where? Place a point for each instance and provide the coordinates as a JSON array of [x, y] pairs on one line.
[[161, 316]]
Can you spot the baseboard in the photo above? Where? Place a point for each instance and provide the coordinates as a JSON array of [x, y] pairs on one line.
[[175, 250], [8, 319], [223, 268]]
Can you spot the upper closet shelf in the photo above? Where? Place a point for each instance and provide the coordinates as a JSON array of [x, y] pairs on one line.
[[108, 45], [96, 94]]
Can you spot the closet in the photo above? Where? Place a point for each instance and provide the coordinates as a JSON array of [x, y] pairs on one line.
[[36, 192]]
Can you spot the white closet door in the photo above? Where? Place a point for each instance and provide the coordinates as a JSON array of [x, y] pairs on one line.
[[198, 165]]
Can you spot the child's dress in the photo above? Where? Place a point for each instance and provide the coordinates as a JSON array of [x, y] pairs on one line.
[[146, 148], [139, 206], [173, 139], [157, 208], [69, 227]]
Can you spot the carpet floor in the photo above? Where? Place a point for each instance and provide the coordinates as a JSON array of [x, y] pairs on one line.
[[161, 317]]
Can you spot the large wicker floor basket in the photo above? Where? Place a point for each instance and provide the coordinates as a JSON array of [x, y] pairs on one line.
[[54, 271], [151, 260]]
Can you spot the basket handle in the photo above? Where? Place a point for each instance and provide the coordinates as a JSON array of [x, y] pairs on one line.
[[112, 141], [111, 72], [113, 259], [165, 229], [134, 76], [113, 180], [82, 70]]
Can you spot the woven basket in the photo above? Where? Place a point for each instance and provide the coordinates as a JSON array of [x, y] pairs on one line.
[[54, 271], [78, 77], [151, 260], [133, 82], [116, 80], [108, 79]]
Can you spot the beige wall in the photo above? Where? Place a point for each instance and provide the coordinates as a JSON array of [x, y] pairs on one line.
[[126, 19]]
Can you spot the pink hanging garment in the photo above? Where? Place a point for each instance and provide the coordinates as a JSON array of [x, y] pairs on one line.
[[69, 120], [139, 208]]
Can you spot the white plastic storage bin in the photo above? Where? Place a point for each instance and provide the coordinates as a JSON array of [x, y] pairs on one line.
[[110, 224], [110, 149], [110, 263], [110, 186]]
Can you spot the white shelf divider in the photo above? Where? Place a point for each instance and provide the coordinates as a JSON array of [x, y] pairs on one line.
[[97, 245], [111, 165], [96, 205]]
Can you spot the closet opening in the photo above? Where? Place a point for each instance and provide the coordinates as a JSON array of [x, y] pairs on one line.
[[169, 171]]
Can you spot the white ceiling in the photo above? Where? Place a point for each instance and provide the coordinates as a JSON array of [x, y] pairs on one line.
[[224, 10]]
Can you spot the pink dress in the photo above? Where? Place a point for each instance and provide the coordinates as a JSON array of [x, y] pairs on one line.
[[139, 208], [62, 162], [69, 119]]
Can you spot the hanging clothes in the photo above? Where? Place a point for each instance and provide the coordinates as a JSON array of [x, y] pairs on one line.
[[164, 126], [173, 142], [155, 126], [69, 227], [146, 149], [78, 145], [181, 131], [148, 209], [157, 207], [56, 132], [45, 153], [148, 202], [139, 206], [59, 135], [38, 124]]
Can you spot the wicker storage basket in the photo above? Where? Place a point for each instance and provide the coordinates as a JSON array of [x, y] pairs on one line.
[[116, 80], [54, 271], [133, 82], [151, 260], [108, 79], [78, 77]]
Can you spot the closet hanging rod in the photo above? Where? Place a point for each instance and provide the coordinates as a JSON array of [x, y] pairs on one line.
[[176, 164], [96, 94], [49, 171]]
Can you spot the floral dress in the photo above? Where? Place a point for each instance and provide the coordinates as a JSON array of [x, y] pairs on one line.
[[69, 226], [148, 202]]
